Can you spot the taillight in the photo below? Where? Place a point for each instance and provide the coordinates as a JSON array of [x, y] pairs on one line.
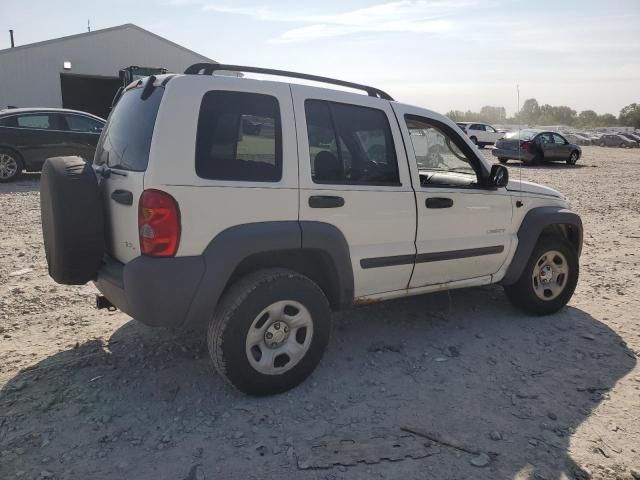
[[526, 146], [158, 224]]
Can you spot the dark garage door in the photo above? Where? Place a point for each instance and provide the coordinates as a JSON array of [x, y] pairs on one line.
[[88, 93]]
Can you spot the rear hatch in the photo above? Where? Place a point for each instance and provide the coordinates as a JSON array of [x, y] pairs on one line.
[[121, 158]]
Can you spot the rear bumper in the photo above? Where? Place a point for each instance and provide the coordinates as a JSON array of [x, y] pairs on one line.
[[525, 156], [155, 291]]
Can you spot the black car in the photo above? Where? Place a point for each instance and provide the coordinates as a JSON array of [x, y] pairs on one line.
[[536, 146], [28, 136]]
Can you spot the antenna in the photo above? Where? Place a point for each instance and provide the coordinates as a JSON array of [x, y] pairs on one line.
[[88, 25], [519, 139]]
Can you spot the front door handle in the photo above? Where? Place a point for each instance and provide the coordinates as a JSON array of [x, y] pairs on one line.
[[125, 197], [325, 201], [439, 202]]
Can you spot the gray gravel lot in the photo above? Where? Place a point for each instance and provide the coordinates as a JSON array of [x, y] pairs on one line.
[[488, 392]]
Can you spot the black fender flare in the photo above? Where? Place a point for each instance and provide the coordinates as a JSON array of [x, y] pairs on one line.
[[231, 246], [533, 223]]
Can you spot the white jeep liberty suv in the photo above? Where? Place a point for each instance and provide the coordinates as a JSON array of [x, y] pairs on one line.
[[261, 206]]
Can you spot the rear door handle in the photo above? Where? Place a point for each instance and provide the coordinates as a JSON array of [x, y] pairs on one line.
[[439, 202], [125, 197], [325, 201]]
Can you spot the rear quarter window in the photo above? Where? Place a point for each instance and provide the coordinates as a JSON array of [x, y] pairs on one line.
[[239, 137], [126, 137]]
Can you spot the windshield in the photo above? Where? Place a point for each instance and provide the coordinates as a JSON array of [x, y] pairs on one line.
[[524, 134]]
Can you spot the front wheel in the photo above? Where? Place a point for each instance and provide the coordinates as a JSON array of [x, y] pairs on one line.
[[549, 278], [269, 332], [10, 166], [573, 158]]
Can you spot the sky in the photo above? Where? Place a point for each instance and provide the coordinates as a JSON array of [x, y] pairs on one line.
[[437, 54]]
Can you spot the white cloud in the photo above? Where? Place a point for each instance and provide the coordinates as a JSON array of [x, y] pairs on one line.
[[400, 16]]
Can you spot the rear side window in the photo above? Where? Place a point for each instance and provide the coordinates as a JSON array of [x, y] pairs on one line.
[[349, 144], [78, 123], [239, 137], [126, 138]]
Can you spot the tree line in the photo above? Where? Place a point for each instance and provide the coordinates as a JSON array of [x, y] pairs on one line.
[[532, 113]]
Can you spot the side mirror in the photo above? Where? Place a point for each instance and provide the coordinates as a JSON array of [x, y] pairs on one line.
[[499, 176]]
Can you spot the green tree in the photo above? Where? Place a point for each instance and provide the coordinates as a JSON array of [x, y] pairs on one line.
[[529, 112], [588, 118], [630, 115], [607, 120], [491, 114]]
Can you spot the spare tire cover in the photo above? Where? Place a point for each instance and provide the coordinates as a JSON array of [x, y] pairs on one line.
[[72, 220]]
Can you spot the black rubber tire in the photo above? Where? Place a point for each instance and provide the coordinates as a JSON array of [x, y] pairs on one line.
[[235, 313], [573, 158], [522, 295], [72, 220], [19, 162], [503, 160]]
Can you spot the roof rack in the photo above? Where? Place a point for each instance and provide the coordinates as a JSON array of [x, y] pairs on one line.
[[209, 68]]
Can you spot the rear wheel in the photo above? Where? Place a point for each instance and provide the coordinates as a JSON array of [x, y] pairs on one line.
[[269, 332], [10, 165], [573, 158], [549, 278], [602, 144]]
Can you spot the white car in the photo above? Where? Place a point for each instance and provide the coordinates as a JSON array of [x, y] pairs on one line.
[[257, 207], [481, 134]]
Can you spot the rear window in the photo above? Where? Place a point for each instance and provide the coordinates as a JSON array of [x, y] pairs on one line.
[[239, 137], [126, 138], [523, 134]]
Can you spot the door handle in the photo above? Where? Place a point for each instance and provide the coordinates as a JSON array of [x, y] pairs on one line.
[[325, 201], [125, 197], [438, 202]]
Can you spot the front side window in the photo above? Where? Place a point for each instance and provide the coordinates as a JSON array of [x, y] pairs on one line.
[[78, 123], [438, 153], [558, 139], [350, 145], [239, 137]]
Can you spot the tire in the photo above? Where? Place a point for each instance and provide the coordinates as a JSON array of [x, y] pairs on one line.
[[249, 305], [474, 140], [522, 293], [72, 220], [11, 165], [602, 144], [503, 160], [573, 158]]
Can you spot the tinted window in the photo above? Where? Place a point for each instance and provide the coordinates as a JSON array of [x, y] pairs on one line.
[[126, 138], [349, 144], [522, 134], [41, 121], [239, 137], [476, 126], [558, 139], [9, 121], [78, 123]]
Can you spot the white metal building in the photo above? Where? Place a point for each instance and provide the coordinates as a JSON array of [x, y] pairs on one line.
[[81, 71]]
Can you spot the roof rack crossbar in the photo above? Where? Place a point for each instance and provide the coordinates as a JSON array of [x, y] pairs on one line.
[[210, 68]]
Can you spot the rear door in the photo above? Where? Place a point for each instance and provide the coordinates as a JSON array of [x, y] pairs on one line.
[[38, 136], [351, 154], [562, 147], [124, 150]]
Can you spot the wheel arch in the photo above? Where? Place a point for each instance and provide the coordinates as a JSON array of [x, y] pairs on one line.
[[15, 151], [315, 249], [541, 221]]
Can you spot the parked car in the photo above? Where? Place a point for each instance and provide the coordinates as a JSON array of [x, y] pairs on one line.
[[616, 140], [632, 137], [481, 134], [536, 146], [28, 136], [262, 234], [577, 139]]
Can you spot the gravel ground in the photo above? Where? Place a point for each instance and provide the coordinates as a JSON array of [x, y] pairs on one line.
[[489, 392]]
